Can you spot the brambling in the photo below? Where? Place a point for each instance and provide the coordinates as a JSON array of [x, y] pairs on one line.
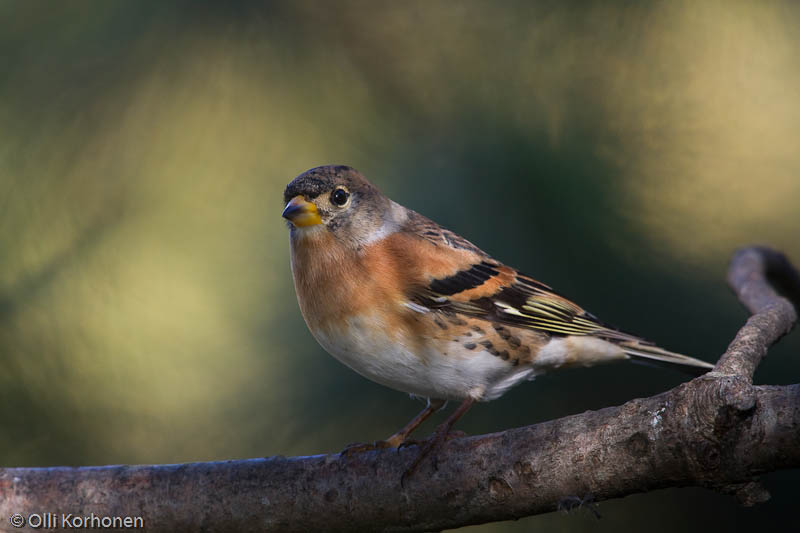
[[413, 306]]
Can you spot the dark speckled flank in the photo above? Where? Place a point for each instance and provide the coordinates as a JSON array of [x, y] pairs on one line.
[[506, 335], [489, 346], [513, 352]]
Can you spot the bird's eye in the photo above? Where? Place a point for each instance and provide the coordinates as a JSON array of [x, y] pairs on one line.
[[339, 197]]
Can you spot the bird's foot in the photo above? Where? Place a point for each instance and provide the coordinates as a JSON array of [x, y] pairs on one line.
[[409, 442], [399, 440], [430, 447], [456, 434], [359, 447]]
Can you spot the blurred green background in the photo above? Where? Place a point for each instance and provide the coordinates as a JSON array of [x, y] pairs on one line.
[[617, 151]]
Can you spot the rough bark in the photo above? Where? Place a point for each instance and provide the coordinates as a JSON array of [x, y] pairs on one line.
[[717, 431]]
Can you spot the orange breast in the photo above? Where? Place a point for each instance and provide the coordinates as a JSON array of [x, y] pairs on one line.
[[334, 281]]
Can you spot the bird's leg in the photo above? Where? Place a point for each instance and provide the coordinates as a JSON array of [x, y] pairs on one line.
[[438, 438], [400, 437]]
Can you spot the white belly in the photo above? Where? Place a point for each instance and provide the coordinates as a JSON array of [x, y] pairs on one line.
[[450, 373]]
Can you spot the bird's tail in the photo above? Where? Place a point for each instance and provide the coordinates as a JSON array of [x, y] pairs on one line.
[[650, 354]]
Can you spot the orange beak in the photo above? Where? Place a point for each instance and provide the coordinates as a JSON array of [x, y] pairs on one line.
[[301, 212]]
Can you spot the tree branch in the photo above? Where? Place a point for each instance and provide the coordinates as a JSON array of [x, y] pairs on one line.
[[773, 316], [717, 431]]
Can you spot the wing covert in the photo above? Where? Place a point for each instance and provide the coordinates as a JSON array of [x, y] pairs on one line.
[[519, 301]]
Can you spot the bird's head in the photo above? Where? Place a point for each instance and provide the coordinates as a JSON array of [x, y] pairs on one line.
[[337, 199]]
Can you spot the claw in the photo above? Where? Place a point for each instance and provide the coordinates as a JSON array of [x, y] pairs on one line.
[[360, 447], [408, 442], [429, 446], [456, 434], [436, 440]]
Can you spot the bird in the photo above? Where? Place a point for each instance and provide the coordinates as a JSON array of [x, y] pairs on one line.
[[415, 307]]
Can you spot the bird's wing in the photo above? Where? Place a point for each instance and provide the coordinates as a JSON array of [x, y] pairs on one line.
[[485, 288], [498, 293], [478, 286]]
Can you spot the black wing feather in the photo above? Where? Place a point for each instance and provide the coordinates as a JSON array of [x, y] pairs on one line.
[[525, 303]]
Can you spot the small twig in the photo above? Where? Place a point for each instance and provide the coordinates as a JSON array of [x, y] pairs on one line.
[[773, 317], [753, 272]]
